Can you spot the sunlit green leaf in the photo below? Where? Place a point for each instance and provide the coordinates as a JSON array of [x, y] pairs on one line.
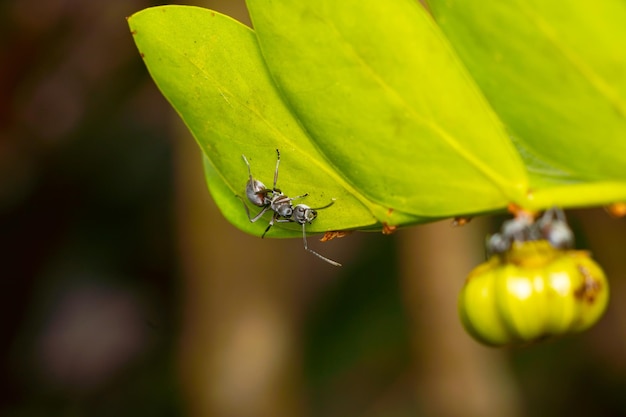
[[385, 99], [556, 74], [371, 107], [413, 164]]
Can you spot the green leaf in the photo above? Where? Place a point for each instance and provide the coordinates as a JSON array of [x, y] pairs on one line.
[[210, 69], [386, 100], [555, 72], [371, 107]]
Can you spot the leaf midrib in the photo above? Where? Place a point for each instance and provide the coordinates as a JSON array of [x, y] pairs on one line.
[[500, 182]]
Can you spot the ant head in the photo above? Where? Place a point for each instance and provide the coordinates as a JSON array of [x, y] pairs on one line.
[[304, 214]]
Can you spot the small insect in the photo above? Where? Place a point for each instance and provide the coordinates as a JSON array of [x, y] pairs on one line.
[[551, 226], [273, 199], [281, 206]]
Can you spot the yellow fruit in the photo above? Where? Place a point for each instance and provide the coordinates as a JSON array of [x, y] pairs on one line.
[[531, 292]]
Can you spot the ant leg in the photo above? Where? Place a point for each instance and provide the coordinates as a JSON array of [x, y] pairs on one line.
[[274, 217], [560, 214], [554, 213], [258, 216], [306, 247], [297, 197]]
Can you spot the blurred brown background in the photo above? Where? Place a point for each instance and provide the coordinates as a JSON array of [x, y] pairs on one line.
[[125, 293]]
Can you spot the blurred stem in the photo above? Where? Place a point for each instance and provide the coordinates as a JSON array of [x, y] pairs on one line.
[[606, 238], [455, 376], [237, 344]]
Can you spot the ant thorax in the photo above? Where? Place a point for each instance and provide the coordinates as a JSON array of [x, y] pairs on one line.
[[281, 205]]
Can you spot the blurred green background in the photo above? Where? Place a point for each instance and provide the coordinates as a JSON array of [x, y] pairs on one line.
[[124, 292]]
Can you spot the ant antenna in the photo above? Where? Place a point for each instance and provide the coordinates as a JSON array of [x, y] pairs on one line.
[[306, 247], [304, 214], [276, 171]]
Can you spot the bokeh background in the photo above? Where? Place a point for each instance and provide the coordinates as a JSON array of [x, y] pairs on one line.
[[123, 292]]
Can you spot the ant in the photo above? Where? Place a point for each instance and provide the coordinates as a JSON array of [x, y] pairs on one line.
[[283, 210], [551, 226]]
